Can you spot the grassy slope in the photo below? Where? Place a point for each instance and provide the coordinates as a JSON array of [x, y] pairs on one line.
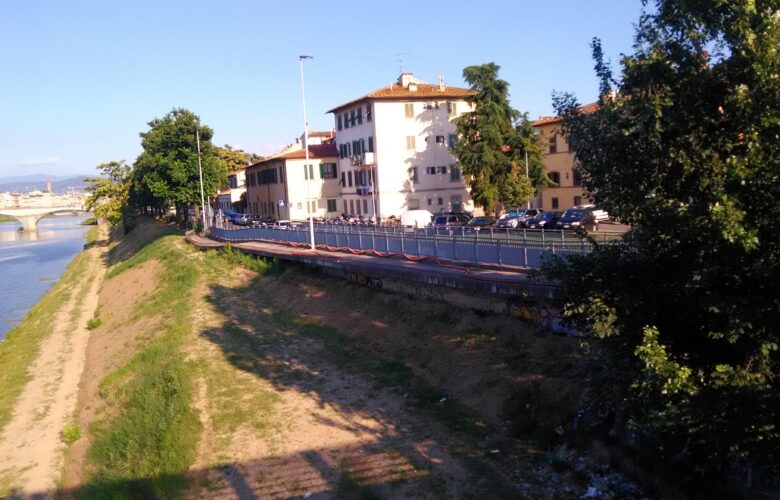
[[22, 343], [147, 446]]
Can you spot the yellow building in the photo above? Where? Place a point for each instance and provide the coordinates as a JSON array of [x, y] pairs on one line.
[[559, 163]]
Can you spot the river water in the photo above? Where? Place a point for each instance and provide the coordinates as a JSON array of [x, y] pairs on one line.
[[30, 263]]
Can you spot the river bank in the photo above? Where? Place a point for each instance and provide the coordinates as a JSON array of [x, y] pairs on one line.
[[42, 360], [215, 374]]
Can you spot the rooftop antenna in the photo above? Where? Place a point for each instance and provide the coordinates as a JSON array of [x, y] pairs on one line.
[[399, 58]]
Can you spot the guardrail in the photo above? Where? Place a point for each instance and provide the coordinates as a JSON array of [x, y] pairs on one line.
[[514, 247]]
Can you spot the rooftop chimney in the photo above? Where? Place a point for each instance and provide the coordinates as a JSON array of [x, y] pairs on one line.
[[405, 79], [441, 83]]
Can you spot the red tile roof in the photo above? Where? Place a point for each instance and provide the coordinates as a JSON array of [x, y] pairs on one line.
[[315, 151], [547, 120], [396, 92], [322, 133]]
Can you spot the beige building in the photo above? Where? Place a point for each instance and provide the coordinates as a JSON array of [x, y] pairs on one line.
[[232, 194], [394, 149], [559, 162], [286, 186]]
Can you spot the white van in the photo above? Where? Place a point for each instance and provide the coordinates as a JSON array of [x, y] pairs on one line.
[[416, 218]]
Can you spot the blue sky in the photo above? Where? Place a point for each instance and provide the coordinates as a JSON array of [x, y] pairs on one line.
[[81, 79]]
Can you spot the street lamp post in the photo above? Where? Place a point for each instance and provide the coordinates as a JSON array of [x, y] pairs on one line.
[[306, 149]]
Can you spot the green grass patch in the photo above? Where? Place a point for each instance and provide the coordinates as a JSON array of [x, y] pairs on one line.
[[70, 433], [7, 219], [92, 221], [94, 323], [146, 447], [22, 344]]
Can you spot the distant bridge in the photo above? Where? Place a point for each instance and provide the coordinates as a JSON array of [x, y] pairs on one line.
[[29, 217]]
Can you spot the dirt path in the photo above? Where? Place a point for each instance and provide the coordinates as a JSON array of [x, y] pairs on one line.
[[31, 448]]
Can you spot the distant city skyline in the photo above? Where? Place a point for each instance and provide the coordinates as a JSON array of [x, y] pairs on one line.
[[82, 80]]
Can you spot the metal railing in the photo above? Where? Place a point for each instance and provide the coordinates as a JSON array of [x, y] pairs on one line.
[[487, 246]]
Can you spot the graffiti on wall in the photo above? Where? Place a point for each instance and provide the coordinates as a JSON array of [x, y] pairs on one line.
[[363, 279], [541, 315]]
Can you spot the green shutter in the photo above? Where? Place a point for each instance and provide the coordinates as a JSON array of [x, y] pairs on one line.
[[322, 171]]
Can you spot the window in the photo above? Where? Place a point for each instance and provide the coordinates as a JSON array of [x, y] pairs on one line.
[[343, 179], [308, 172], [555, 177], [345, 206], [441, 170], [452, 108], [356, 147], [413, 175], [331, 205], [281, 175], [409, 110], [368, 112], [351, 207], [454, 173], [430, 170], [349, 178], [555, 203], [430, 201], [553, 143], [338, 122], [365, 206], [410, 142], [578, 200], [413, 204], [346, 120], [360, 115], [439, 139], [328, 171], [357, 205], [441, 200], [451, 140], [352, 118], [577, 181], [267, 177], [370, 143], [457, 203]]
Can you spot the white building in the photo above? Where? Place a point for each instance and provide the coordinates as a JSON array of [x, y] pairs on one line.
[[232, 194], [394, 149]]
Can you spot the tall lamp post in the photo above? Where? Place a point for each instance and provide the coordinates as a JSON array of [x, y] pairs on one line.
[[306, 149]]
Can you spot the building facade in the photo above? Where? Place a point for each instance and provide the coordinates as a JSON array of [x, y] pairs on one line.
[[394, 150], [286, 186], [232, 194], [559, 161]]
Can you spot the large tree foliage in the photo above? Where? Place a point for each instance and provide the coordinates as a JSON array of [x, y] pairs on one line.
[[235, 159], [492, 142], [108, 194], [685, 147], [166, 172]]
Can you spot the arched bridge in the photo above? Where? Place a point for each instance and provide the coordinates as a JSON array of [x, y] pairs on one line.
[[29, 217]]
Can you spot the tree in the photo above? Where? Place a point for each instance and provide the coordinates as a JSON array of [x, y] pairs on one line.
[[684, 147], [492, 143], [109, 193], [235, 159], [166, 172]]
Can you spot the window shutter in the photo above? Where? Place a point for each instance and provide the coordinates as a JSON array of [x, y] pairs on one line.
[[322, 171]]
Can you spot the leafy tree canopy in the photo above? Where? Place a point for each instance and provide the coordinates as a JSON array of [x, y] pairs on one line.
[[109, 192], [492, 143], [685, 147], [166, 172], [235, 159]]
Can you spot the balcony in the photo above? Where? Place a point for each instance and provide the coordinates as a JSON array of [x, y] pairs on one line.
[[364, 191], [363, 159]]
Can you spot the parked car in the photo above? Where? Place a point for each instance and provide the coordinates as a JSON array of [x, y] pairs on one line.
[[574, 218], [598, 214], [545, 220], [484, 221], [282, 224], [449, 220], [509, 220], [242, 220], [528, 215]]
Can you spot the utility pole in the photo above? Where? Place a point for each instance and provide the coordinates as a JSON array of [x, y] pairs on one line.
[[200, 170], [306, 149], [526, 175]]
